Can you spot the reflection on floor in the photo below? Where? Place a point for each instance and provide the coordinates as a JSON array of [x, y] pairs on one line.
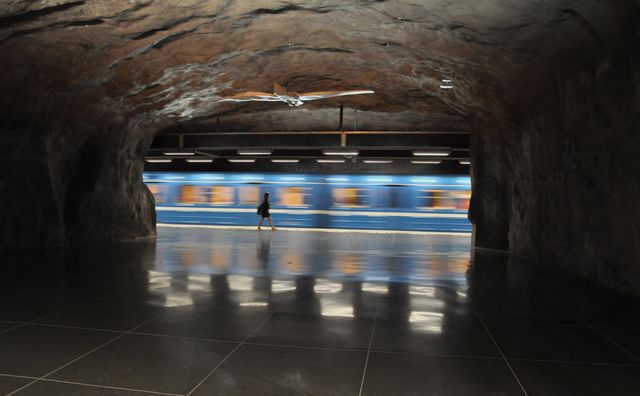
[[203, 312]]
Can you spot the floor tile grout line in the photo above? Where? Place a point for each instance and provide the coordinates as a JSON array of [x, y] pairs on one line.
[[237, 347], [184, 337], [486, 328], [106, 386], [33, 321], [336, 349], [85, 354], [602, 364], [585, 322], [12, 328], [502, 323], [17, 376], [77, 327], [311, 347], [366, 362], [110, 387], [190, 337], [23, 293], [424, 354]]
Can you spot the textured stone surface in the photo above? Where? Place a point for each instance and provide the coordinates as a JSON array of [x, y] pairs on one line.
[[562, 185], [575, 202], [542, 84]]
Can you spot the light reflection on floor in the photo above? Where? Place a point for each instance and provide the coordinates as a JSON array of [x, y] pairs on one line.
[[414, 259], [336, 275], [202, 311]]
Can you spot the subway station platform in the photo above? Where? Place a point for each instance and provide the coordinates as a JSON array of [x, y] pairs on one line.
[[239, 312]]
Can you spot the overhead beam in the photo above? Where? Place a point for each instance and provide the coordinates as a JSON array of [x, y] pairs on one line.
[[303, 148], [230, 133]]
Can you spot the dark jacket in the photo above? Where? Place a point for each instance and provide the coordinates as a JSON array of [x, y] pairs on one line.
[[263, 209]]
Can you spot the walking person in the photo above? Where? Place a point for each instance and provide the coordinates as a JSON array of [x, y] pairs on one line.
[[263, 210]]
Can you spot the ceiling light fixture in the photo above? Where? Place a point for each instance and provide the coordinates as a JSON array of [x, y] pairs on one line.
[[330, 161], [426, 162], [431, 153], [467, 162], [255, 152], [179, 153], [377, 161], [340, 152], [241, 160], [447, 83], [285, 160], [200, 160], [282, 94], [158, 160]]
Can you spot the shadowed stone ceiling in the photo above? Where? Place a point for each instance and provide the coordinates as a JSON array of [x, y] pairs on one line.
[[173, 60]]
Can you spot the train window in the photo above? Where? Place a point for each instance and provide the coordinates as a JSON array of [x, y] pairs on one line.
[[350, 197], [194, 194], [293, 196], [249, 195], [444, 199], [222, 195], [462, 198], [159, 192]]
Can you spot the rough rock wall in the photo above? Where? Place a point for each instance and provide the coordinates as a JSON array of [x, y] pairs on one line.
[[488, 210], [74, 74], [70, 172], [561, 185]]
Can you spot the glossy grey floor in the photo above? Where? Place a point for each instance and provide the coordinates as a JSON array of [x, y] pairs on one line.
[[237, 312]]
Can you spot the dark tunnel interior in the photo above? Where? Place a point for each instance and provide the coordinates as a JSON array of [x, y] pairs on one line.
[[547, 91], [542, 97]]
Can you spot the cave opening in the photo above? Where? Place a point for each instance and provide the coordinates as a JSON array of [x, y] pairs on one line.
[[130, 127]]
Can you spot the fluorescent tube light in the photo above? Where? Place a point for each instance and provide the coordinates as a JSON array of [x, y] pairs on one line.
[[431, 153], [377, 161], [285, 160], [179, 153], [330, 161], [241, 160], [340, 152], [425, 162], [467, 162], [254, 152], [200, 160], [158, 160]]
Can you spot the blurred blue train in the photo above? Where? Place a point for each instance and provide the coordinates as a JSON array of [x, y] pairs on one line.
[[375, 202]]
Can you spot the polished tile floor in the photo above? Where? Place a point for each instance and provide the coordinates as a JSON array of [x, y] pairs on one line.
[[237, 312]]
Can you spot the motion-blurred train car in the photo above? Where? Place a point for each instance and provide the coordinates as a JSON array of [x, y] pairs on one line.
[[414, 203]]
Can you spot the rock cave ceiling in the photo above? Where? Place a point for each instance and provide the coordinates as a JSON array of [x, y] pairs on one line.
[[172, 60]]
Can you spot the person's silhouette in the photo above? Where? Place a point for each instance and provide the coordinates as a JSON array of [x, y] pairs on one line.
[[263, 210]]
